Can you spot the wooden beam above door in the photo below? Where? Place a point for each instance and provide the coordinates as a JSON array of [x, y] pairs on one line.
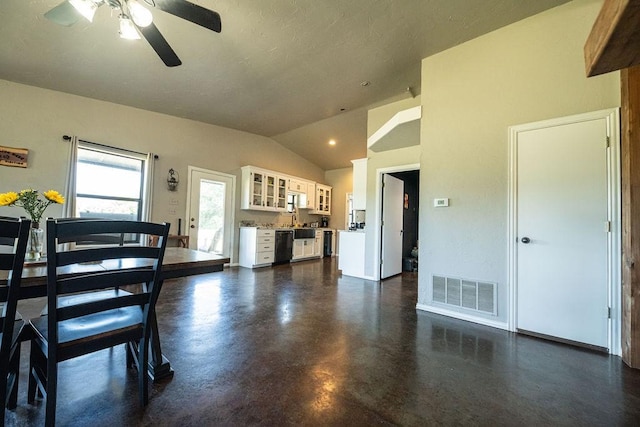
[[614, 42]]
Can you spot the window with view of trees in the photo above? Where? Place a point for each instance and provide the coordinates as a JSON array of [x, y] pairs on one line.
[[109, 184]]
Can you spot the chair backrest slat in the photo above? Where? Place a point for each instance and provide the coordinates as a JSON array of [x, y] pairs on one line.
[[103, 279], [92, 254], [82, 309], [6, 261], [10, 229]]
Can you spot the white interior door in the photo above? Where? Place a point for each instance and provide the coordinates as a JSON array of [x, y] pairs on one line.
[[211, 207], [562, 223], [391, 251]]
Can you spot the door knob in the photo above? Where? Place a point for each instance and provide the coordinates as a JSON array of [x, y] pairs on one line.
[[193, 226], [525, 240]]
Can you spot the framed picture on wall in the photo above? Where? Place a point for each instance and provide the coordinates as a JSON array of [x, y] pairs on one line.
[[16, 157]]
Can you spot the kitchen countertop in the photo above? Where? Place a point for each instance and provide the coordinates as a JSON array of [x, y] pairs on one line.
[[279, 228]]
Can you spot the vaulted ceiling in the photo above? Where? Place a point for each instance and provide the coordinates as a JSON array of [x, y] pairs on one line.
[[294, 70]]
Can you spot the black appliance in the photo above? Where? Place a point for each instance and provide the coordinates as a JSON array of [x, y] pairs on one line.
[[284, 246], [324, 222], [328, 238], [304, 233]]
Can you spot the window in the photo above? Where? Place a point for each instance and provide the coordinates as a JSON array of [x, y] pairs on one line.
[[110, 183], [291, 203]]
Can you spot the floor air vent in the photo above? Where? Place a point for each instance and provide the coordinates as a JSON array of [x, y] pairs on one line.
[[468, 294]]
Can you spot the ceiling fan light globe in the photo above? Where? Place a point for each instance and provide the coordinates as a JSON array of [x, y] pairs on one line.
[[140, 14], [127, 29], [86, 8]]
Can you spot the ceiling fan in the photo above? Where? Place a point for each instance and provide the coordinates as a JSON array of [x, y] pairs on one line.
[[136, 19]]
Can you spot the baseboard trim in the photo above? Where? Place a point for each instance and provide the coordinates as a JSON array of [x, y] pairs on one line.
[[463, 316]]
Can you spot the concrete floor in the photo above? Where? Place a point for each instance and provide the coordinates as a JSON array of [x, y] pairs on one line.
[[300, 345]]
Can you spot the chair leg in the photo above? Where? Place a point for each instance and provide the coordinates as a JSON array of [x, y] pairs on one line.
[[3, 395], [130, 355], [143, 375], [33, 384], [51, 391], [14, 377]]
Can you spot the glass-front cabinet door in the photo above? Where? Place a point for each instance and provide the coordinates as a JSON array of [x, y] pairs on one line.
[[257, 189], [281, 201], [270, 192], [323, 199]]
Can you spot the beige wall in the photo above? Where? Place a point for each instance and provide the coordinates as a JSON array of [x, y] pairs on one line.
[[36, 119], [471, 94], [378, 116], [341, 181]]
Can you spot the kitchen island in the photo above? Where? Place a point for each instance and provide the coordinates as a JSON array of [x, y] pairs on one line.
[[351, 253]]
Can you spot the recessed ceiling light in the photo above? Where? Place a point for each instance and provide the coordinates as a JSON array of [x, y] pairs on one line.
[[365, 83], [332, 142]]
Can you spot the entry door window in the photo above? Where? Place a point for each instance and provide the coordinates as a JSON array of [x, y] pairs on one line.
[[211, 214]]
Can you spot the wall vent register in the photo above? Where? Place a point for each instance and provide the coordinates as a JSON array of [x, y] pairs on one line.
[[464, 293]]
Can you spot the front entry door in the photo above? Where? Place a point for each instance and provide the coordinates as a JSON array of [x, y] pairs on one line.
[[210, 216], [562, 231]]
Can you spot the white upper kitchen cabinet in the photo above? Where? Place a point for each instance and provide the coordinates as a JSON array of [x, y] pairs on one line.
[[263, 190], [297, 185], [311, 195], [359, 184], [323, 200], [305, 192]]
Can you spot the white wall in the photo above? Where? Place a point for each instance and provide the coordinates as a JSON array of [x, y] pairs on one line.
[[529, 71], [36, 119]]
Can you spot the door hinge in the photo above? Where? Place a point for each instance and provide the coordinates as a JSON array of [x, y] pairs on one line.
[[607, 226], [382, 222], [608, 142], [608, 312]]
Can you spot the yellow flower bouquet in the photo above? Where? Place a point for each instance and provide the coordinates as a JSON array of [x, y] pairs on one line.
[[31, 202]]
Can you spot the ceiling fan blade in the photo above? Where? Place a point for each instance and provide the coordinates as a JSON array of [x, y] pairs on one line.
[[63, 14], [191, 12], [160, 45]]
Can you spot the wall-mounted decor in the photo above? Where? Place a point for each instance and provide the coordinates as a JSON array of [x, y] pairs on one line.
[[173, 179], [16, 157]]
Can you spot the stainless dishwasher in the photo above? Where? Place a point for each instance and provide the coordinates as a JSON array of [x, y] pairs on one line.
[[284, 246]]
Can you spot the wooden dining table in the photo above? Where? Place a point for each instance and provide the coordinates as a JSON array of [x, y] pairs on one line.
[[178, 262]]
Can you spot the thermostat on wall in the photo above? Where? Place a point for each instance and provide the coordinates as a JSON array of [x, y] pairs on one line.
[[441, 203]]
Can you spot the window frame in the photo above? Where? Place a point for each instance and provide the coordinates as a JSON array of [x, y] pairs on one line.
[[145, 175]]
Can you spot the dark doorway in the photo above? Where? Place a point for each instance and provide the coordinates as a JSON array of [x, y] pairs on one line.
[[411, 181]]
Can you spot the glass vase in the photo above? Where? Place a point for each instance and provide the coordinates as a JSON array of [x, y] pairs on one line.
[[35, 245]]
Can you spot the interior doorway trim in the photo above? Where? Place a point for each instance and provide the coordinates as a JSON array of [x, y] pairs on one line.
[[377, 235], [231, 230], [614, 283]]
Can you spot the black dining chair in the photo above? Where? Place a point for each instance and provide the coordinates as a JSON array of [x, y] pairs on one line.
[[87, 311], [14, 233]]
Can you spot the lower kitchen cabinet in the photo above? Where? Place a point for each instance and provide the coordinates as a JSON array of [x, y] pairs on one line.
[[318, 248], [309, 248], [303, 248], [257, 247]]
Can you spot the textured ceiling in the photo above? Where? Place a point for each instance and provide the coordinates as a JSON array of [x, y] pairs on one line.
[[288, 69]]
